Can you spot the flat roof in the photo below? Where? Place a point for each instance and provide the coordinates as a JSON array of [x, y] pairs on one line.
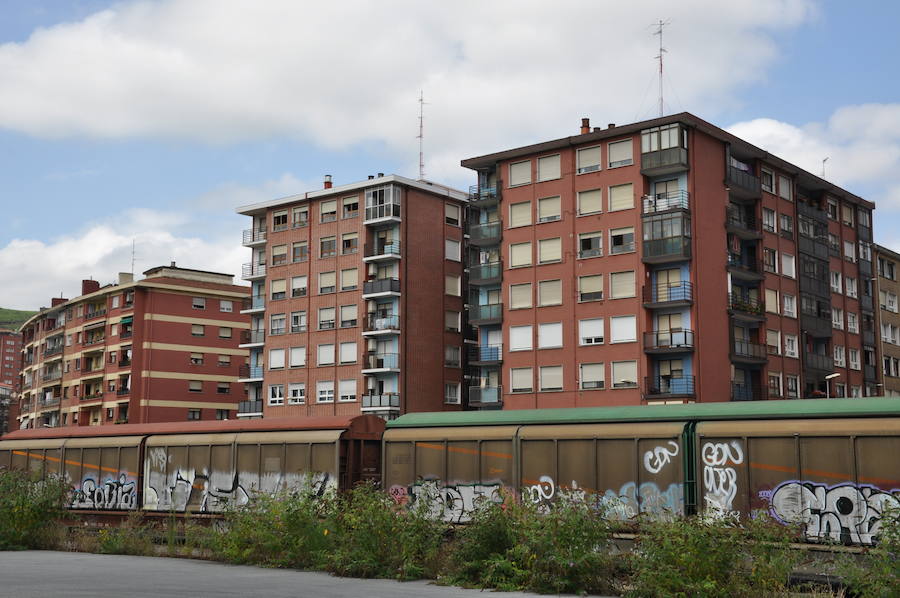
[[427, 186]]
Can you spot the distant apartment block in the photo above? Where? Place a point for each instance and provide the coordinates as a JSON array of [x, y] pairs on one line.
[[887, 289], [10, 357]]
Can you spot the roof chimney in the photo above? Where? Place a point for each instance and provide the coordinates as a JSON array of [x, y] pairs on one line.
[[125, 277], [172, 264], [54, 301], [89, 286], [328, 181], [611, 125], [380, 174], [585, 125], [371, 176]]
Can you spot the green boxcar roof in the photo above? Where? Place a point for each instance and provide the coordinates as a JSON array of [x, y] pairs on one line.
[[806, 408]]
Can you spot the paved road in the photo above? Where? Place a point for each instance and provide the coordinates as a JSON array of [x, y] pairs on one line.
[[45, 574]]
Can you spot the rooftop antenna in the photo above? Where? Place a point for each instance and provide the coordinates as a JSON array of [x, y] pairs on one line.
[[132, 257], [659, 31], [823, 165], [421, 135]]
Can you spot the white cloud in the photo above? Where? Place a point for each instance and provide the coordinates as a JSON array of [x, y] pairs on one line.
[[336, 74]]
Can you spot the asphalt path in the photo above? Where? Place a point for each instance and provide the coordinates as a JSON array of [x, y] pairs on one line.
[[43, 574]]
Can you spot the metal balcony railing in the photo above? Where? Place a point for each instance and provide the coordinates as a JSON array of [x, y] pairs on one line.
[[744, 392], [818, 361], [247, 407], [751, 350], [741, 180], [661, 202], [481, 195], [666, 160], [669, 339], [254, 236], [51, 401], [483, 272], [126, 333], [485, 395], [736, 218], [663, 292], [750, 305], [484, 233], [121, 391], [376, 249], [253, 302], [251, 270], [93, 341], [378, 322], [745, 263], [485, 353], [381, 361], [52, 351], [48, 376], [250, 371], [124, 362], [390, 400], [669, 385], [381, 285], [490, 311], [676, 247], [252, 336], [95, 313]]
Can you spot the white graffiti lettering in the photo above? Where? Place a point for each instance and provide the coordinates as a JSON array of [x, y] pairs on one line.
[[542, 492], [719, 479], [111, 494], [659, 457], [453, 503]]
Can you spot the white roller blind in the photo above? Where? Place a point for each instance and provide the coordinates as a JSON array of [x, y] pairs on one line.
[[591, 374], [326, 354], [624, 372], [548, 168], [550, 250], [622, 329], [548, 209], [550, 292], [348, 312], [349, 278], [520, 338], [519, 254], [347, 390], [620, 153], [451, 249], [590, 201], [326, 314], [621, 284], [327, 279], [521, 379], [279, 250], [520, 214], [520, 173], [772, 301], [279, 286], [451, 320], [590, 284], [328, 206], [621, 197], [276, 358], [589, 159], [551, 377], [298, 282], [550, 335], [348, 352], [298, 357], [451, 213], [590, 332], [451, 284], [520, 295]]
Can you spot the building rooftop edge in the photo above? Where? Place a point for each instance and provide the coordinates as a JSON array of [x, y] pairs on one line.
[[877, 248]]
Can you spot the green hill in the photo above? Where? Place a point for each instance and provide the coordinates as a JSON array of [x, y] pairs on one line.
[[13, 318]]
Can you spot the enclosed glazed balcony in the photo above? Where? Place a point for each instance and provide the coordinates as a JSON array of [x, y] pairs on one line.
[[664, 161], [486, 397], [669, 341], [662, 387], [742, 223], [485, 234], [485, 274], [490, 313], [254, 236], [668, 249], [252, 337]]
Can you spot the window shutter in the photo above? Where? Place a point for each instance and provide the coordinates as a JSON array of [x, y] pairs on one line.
[[592, 375], [550, 335], [520, 173], [520, 295], [590, 201], [326, 279], [591, 331], [521, 379], [621, 284], [349, 278], [520, 338], [520, 214], [550, 250], [328, 206], [551, 377], [621, 197], [620, 153], [348, 352], [589, 159], [550, 292], [590, 284], [548, 209], [298, 356], [622, 328], [772, 300], [520, 254], [279, 286], [276, 358], [298, 282], [548, 168], [624, 372]]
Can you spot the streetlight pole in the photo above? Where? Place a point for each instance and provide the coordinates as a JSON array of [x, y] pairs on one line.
[[828, 380]]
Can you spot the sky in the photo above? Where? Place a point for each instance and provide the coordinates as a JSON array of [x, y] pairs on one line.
[[145, 124]]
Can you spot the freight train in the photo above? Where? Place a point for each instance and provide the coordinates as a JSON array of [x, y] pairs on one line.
[[832, 465]]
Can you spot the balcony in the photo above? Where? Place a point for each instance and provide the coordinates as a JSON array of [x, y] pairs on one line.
[[95, 340], [668, 294], [376, 324], [663, 202], [252, 337], [374, 252], [250, 409], [664, 161], [254, 237], [123, 390], [126, 333], [669, 341], [742, 184], [95, 313], [746, 307], [482, 197], [741, 224], [250, 373], [253, 271], [661, 387], [388, 401], [52, 401], [382, 213], [865, 268], [92, 396], [489, 233], [52, 351], [381, 362], [744, 392], [485, 354], [92, 372], [818, 361], [745, 267], [669, 249], [125, 362], [486, 397], [49, 376], [253, 303], [381, 287], [485, 274], [491, 313], [749, 353]]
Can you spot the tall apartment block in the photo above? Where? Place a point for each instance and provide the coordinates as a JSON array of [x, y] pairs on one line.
[[357, 300], [10, 358], [163, 348], [887, 289], [664, 261]]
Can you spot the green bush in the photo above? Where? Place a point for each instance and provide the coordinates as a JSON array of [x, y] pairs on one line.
[[133, 536], [30, 510], [876, 573]]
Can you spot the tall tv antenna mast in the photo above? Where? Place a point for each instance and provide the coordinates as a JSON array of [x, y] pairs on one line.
[[421, 135], [659, 31]]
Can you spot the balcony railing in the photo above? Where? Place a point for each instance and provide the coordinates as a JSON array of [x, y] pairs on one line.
[[479, 195], [52, 401], [379, 322], [385, 210], [818, 361], [486, 233], [484, 272], [126, 333], [669, 385], [670, 247], [745, 263], [378, 249], [52, 351], [381, 285], [252, 336], [749, 305], [248, 407], [665, 292], [47, 377], [742, 181], [664, 161], [490, 311], [390, 400], [381, 361], [250, 371], [253, 302], [744, 392], [750, 350], [253, 270], [662, 202], [669, 339], [92, 396], [738, 219], [254, 236], [485, 353], [92, 371], [93, 341], [485, 396], [123, 363], [123, 390]]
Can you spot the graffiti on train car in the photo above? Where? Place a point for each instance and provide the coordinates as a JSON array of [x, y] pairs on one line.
[[453, 503], [843, 512], [660, 456], [719, 477], [112, 493], [632, 499]]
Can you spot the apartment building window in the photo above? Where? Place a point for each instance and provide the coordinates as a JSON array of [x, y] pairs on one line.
[[622, 329], [452, 250], [767, 180], [225, 332], [277, 324], [889, 334], [548, 209], [590, 376], [297, 357], [299, 251], [834, 245], [451, 356], [590, 244], [348, 316], [327, 247], [226, 306], [350, 207], [590, 202], [326, 318], [588, 159], [223, 388], [620, 153], [550, 335], [451, 214], [327, 282], [519, 255], [770, 257], [548, 168], [520, 338], [865, 251], [519, 173], [853, 354], [784, 188], [198, 303], [325, 391], [520, 214], [886, 269], [839, 357], [772, 301], [298, 321], [773, 342], [840, 390], [198, 330], [852, 322], [300, 217], [192, 415], [328, 211], [832, 209], [296, 393], [276, 359], [621, 240], [768, 220], [223, 361], [847, 214], [551, 378], [451, 285], [520, 296], [325, 354], [621, 285], [298, 286], [621, 197], [347, 352], [349, 243], [837, 318], [279, 220], [451, 321], [787, 226], [590, 288], [549, 250], [549, 293], [278, 289], [349, 279], [451, 393], [790, 345], [775, 384], [792, 386], [196, 359], [888, 301], [521, 379], [624, 374], [836, 286], [590, 331], [195, 385], [788, 266], [347, 390], [279, 255]]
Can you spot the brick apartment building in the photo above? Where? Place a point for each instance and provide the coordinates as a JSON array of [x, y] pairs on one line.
[[10, 357], [163, 348], [887, 289], [664, 261], [357, 300]]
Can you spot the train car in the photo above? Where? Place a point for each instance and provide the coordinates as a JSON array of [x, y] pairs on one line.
[[198, 467], [828, 464]]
